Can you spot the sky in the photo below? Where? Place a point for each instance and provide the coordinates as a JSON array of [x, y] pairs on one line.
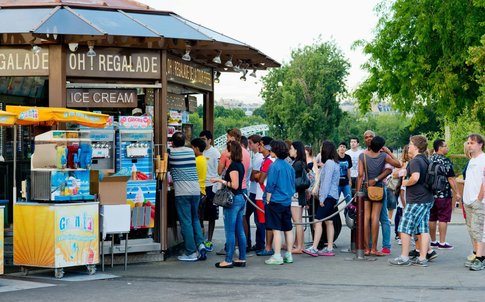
[[276, 28]]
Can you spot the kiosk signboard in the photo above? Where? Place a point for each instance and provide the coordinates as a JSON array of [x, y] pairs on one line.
[[114, 63], [101, 98], [189, 74], [24, 62]]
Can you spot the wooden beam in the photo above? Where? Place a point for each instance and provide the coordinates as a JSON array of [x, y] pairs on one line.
[[57, 76], [208, 122]]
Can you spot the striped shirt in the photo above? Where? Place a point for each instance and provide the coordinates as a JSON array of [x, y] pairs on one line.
[[184, 172]]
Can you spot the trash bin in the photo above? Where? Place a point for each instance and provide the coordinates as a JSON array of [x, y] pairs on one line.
[[4, 203]]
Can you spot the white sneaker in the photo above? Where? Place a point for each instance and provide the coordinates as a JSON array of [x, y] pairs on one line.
[[188, 258]]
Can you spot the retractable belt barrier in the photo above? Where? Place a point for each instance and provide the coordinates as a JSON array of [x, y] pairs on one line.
[[314, 221]]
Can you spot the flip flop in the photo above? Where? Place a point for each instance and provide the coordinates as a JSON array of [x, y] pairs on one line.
[[366, 252], [377, 253]]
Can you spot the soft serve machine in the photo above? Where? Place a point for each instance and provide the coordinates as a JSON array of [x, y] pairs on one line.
[[134, 153]]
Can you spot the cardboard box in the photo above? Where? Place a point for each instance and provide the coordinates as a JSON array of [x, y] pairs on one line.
[[111, 190]]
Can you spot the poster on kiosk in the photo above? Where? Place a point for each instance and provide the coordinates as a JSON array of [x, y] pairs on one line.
[[135, 154]]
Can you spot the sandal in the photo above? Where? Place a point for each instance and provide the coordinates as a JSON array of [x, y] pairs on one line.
[[377, 253], [366, 252]]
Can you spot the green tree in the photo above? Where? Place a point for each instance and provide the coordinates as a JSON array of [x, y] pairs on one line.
[[418, 57], [301, 96], [393, 127]]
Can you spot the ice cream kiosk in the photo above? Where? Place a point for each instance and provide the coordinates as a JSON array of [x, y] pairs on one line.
[[59, 227]]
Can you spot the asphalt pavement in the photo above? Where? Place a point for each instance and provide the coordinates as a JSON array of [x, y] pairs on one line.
[[307, 279]]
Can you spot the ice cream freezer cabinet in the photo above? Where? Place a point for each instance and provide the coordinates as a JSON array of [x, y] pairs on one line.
[[56, 235]]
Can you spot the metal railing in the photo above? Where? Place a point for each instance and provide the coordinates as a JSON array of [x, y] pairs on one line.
[[220, 142]]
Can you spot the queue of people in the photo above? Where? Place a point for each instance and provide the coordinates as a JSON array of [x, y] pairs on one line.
[[282, 179]]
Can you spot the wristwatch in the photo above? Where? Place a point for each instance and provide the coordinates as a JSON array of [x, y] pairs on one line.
[[376, 179]]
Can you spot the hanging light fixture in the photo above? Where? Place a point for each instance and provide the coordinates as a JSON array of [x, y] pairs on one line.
[[253, 74], [36, 48], [186, 56], [217, 59], [229, 63], [91, 52], [217, 74], [244, 72], [237, 68]]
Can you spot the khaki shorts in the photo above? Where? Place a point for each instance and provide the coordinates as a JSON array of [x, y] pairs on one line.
[[475, 215]]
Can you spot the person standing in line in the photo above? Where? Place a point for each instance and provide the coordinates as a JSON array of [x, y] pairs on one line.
[[419, 200], [371, 165], [328, 195], [256, 163], [233, 216], [261, 178], [401, 198], [442, 207], [384, 217], [298, 201], [345, 180], [473, 199], [198, 145], [247, 231], [211, 212], [279, 190], [354, 153], [225, 160], [187, 197]]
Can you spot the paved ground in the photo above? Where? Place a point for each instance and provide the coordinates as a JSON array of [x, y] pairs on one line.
[[324, 278]]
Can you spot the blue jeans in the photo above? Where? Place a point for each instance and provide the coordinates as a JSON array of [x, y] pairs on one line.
[[346, 191], [385, 224], [233, 226], [260, 229], [187, 211]]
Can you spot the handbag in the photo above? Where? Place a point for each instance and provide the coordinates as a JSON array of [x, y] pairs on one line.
[[302, 182], [374, 193], [392, 183], [223, 197]]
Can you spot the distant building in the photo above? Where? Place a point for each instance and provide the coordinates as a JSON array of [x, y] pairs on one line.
[[248, 108]]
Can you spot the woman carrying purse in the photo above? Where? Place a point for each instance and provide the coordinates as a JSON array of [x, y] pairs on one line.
[[233, 216]]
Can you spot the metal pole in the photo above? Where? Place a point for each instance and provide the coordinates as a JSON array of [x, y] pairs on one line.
[[14, 193], [359, 231]]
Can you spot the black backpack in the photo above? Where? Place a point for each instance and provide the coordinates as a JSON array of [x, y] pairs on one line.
[[436, 178]]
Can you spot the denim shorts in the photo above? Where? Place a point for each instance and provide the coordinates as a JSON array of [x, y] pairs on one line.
[[415, 218]]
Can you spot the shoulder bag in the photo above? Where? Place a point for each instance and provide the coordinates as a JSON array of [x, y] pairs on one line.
[[374, 193], [302, 182], [223, 197]]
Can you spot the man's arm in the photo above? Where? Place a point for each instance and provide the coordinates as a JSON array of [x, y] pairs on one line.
[[454, 187]]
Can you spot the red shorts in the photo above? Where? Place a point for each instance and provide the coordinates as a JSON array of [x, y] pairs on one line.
[[441, 210], [260, 214]]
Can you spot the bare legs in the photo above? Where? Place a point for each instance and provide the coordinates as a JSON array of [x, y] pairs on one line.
[[296, 214]]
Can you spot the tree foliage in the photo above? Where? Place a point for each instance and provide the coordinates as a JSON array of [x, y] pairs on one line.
[[301, 96], [393, 127], [418, 58]]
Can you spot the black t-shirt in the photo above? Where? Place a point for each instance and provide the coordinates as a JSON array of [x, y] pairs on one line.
[[345, 165], [239, 167], [418, 193]]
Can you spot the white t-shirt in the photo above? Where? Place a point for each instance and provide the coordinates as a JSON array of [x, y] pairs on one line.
[[474, 179], [256, 162], [354, 171], [212, 156]]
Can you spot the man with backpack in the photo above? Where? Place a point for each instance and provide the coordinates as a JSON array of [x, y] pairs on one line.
[[442, 208]]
